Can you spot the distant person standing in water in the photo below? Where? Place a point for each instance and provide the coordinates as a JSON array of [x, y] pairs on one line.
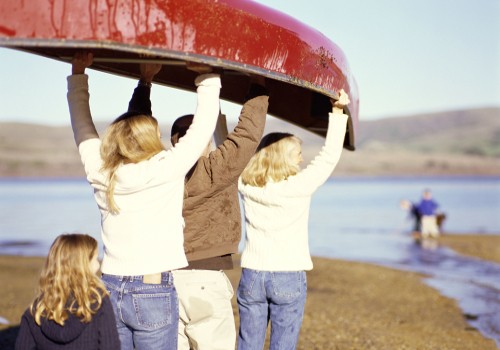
[[427, 209]]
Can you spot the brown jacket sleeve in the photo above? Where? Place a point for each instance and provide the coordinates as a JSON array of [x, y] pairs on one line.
[[229, 160]]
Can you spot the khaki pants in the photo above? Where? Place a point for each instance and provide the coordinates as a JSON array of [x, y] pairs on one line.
[[429, 226], [206, 319]]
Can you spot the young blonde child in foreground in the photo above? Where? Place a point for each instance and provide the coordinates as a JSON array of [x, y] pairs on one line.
[[72, 307], [276, 197]]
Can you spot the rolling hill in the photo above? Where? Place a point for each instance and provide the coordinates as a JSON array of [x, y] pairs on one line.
[[465, 142]]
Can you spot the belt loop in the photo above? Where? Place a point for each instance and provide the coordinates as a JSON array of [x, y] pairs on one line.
[[167, 277]]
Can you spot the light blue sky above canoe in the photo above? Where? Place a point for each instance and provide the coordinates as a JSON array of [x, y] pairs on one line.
[[408, 57]]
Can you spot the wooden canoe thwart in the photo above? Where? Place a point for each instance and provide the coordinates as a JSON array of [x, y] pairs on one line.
[[303, 68]]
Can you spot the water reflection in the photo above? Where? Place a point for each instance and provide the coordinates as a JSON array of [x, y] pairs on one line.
[[474, 283], [360, 220]]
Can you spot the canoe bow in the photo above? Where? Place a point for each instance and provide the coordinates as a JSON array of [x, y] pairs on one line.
[[303, 68]]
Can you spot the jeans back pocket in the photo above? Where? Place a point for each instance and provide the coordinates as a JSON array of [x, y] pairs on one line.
[[153, 310], [288, 284]]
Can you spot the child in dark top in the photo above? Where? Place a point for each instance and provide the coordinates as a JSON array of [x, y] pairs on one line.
[[414, 214], [72, 309]]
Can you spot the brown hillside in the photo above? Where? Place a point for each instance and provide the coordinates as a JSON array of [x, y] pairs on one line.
[[452, 143], [474, 132]]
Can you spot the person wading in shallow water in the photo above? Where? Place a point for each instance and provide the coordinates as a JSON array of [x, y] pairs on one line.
[[427, 208]]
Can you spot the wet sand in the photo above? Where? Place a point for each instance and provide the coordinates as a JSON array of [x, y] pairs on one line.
[[350, 305], [486, 247]]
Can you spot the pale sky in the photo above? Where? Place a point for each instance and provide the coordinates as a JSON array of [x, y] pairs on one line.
[[408, 57]]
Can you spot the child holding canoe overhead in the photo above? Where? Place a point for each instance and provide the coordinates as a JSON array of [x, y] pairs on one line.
[[276, 198], [139, 187]]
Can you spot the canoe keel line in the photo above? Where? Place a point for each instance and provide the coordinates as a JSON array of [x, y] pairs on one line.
[[303, 68]]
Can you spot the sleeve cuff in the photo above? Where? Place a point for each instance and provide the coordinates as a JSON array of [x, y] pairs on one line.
[[208, 80], [77, 80], [256, 90]]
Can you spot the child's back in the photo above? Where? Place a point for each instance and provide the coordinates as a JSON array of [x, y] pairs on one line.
[[276, 198], [72, 309], [100, 333]]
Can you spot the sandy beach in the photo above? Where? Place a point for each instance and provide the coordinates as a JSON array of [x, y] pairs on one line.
[[350, 305], [486, 247]]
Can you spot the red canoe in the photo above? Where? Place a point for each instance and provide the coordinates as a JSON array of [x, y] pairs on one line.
[[303, 68]]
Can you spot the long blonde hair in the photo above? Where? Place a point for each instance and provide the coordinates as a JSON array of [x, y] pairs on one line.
[[67, 283], [273, 160], [131, 138]]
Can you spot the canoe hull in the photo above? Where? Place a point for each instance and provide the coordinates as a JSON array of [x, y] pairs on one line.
[[303, 69]]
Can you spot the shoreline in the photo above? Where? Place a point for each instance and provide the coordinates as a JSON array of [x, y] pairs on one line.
[[350, 305], [335, 175], [481, 246]]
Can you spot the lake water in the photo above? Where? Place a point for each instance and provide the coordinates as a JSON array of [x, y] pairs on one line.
[[351, 218]]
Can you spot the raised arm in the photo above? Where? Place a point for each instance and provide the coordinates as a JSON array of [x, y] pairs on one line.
[[190, 146], [141, 101], [240, 145], [257, 88], [319, 170], [78, 99]]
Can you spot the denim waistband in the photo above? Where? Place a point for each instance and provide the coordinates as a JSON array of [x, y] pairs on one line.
[[165, 276]]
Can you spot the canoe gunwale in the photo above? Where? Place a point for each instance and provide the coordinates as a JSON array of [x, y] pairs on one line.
[[23, 44], [48, 48]]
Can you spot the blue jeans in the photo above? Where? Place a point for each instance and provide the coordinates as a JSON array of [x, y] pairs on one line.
[[147, 315], [276, 296]]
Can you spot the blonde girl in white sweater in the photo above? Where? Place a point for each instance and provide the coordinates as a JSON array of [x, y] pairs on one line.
[[138, 187], [276, 198]]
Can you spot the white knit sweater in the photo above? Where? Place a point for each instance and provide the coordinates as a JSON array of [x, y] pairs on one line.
[[147, 235], [277, 214]]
